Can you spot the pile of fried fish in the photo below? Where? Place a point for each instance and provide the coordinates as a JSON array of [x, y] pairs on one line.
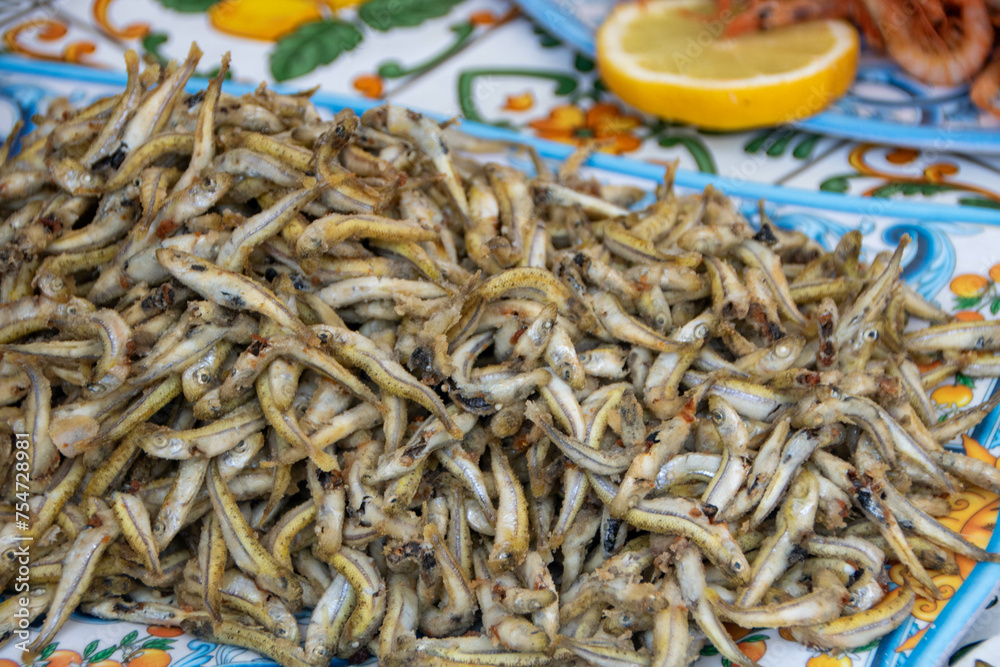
[[269, 363]]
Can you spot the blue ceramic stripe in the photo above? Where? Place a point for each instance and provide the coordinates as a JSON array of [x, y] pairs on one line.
[[549, 149], [943, 139], [885, 654], [558, 18], [974, 593]]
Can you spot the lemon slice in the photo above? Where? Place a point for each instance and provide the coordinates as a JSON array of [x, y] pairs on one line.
[[664, 58]]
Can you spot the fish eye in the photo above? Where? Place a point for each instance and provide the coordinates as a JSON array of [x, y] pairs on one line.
[[701, 331], [567, 374], [10, 555], [159, 527], [783, 350], [718, 417], [736, 566], [241, 447], [204, 377], [71, 310]]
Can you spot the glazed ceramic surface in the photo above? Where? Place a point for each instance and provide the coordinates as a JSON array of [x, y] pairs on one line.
[[514, 80]]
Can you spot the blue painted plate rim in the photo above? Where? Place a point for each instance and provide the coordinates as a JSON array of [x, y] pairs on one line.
[[564, 25], [971, 597]]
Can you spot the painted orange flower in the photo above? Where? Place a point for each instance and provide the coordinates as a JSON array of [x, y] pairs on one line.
[[64, 658], [164, 631], [484, 17], [968, 284], [149, 657], [521, 102], [827, 660], [753, 647], [969, 316], [369, 85], [570, 124], [953, 394]]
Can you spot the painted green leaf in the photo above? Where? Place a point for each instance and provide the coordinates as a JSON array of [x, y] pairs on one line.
[[188, 6], [91, 647], [726, 662], [388, 14], [152, 42], [394, 70], [960, 653], [777, 149], [754, 638], [129, 638], [102, 655], [48, 650], [709, 650], [869, 646], [582, 63], [757, 143], [159, 642], [980, 202], [995, 306], [702, 156], [910, 189], [310, 46], [966, 302], [961, 378], [546, 40], [469, 91], [805, 147], [835, 184]]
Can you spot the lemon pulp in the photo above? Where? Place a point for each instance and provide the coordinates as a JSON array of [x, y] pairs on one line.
[[667, 58]]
